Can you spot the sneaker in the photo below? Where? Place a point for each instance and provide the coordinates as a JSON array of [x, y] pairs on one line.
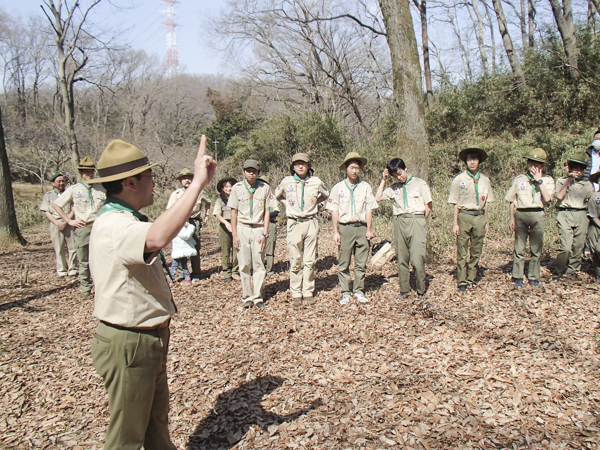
[[195, 279], [248, 304], [188, 281], [296, 301], [309, 299], [360, 297], [518, 283], [345, 299], [260, 304], [534, 283], [462, 288], [402, 295]]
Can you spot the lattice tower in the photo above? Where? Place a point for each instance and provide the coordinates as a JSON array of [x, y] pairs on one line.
[[172, 59]]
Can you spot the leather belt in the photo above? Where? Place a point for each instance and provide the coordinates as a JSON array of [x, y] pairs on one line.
[[472, 212], [165, 324], [353, 224], [572, 209], [301, 219], [530, 209], [410, 216]]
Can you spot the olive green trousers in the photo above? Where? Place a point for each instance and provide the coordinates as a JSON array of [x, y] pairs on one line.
[[594, 237], [572, 229], [528, 225], [229, 261], [353, 242], [410, 234], [470, 239], [82, 248], [270, 247]]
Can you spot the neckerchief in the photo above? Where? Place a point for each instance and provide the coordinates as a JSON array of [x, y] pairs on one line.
[[352, 201], [534, 184], [303, 182], [89, 189], [404, 193], [56, 192], [114, 204], [251, 192], [476, 182]]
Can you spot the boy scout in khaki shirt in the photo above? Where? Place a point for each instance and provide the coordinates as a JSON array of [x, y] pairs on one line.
[[412, 207], [594, 228], [61, 233], [222, 212], [249, 201], [528, 196], [302, 192], [471, 194], [185, 178], [131, 342], [86, 199], [572, 195], [272, 239], [351, 203]]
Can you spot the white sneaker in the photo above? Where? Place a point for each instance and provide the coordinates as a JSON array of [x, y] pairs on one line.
[[345, 299], [360, 297]]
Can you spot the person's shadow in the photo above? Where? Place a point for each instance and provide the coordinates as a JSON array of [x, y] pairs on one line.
[[236, 410]]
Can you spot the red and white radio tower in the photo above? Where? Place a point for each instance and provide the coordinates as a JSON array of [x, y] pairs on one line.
[[172, 59]]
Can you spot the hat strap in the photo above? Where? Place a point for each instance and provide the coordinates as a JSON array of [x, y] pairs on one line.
[[122, 168]]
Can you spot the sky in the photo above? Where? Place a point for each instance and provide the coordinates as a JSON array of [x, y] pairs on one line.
[[141, 23]]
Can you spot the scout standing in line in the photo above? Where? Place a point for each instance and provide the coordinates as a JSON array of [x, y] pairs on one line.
[[185, 178], [86, 200], [572, 194], [412, 207], [249, 201], [594, 228], [471, 194], [61, 233], [222, 212], [351, 204], [130, 346], [302, 192], [528, 196], [272, 239]]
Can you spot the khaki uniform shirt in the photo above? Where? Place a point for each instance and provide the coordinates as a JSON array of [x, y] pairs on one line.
[[130, 292], [339, 200], [86, 201], [577, 195], [594, 206], [462, 192], [222, 209], [291, 190], [196, 211], [521, 192], [240, 199], [417, 192], [48, 200]]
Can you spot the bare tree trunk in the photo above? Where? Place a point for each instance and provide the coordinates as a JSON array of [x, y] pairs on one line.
[[422, 7], [563, 14], [464, 55], [523, 23], [9, 227], [480, 42], [591, 19], [513, 59], [492, 38], [408, 93], [531, 17]]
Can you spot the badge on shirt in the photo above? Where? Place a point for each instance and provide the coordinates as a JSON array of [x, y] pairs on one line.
[[292, 202], [261, 204], [242, 193], [397, 191], [522, 186], [291, 188], [312, 200], [342, 193], [330, 200], [416, 200], [79, 194], [597, 200], [483, 198], [463, 185]]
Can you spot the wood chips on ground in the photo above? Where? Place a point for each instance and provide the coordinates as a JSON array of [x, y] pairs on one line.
[[493, 368]]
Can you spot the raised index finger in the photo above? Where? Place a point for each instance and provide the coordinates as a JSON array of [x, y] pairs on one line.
[[202, 147]]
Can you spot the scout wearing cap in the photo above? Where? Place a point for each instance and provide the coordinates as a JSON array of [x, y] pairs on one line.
[[351, 203], [471, 194], [124, 252], [528, 195], [61, 233], [222, 212], [185, 178], [572, 195], [250, 201], [301, 192], [594, 228], [412, 204], [272, 239], [86, 199]]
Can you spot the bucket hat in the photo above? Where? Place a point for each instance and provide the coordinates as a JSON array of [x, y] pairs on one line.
[[463, 154], [222, 181]]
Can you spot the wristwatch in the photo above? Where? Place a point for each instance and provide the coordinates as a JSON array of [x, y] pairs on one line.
[[265, 235], [539, 182]]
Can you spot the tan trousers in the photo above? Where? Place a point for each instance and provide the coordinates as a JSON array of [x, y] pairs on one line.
[[572, 229], [82, 243], [64, 249], [251, 257], [353, 242], [302, 246], [133, 366], [410, 233]]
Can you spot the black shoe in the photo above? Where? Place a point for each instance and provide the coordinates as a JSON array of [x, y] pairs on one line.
[[534, 283], [518, 282], [260, 305], [248, 304], [402, 295], [462, 288]]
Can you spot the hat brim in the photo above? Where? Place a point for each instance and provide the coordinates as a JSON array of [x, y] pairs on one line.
[[594, 177], [123, 175], [86, 168], [363, 162], [578, 161], [535, 158], [222, 181], [463, 154]]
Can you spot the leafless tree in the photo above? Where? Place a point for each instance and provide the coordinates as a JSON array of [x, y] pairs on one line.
[[563, 15], [511, 54]]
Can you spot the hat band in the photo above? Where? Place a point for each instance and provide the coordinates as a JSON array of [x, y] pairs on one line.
[[122, 168]]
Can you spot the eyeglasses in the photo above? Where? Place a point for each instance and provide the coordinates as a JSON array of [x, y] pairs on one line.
[[148, 176]]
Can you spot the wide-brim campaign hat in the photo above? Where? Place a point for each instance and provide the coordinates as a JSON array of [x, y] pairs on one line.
[[580, 158], [301, 157], [537, 154], [222, 181], [266, 179], [594, 177], [120, 160], [463, 154], [86, 163], [353, 156], [184, 173]]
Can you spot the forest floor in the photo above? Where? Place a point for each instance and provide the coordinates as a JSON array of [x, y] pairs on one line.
[[492, 368]]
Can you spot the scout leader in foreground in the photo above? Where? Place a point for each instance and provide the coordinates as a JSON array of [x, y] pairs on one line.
[[133, 300], [471, 194], [412, 207], [302, 192], [528, 196], [351, 204]]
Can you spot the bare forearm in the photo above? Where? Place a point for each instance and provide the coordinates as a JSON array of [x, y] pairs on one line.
[[60, 212], [369, 217], [267, 220], [51, 218], [379, 193], [234, 214], [335, 219]]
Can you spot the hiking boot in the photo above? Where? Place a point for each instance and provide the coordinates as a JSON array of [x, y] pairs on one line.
[[345, 299], [360, 297], [518, 283], [260, 304], [534, 283], [462, 288]]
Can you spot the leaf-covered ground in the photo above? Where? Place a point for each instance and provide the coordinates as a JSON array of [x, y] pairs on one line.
[[493, 368]]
